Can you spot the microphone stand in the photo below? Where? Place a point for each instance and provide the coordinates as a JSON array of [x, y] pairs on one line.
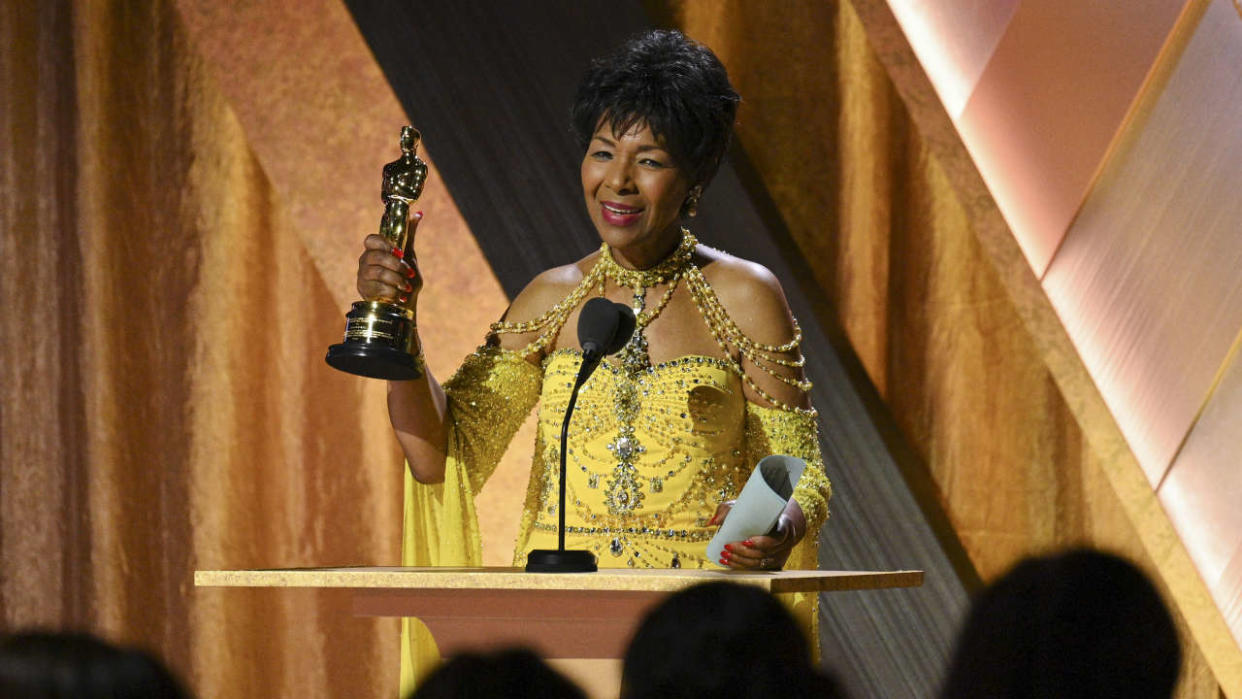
[[560, 560], [603, 328]]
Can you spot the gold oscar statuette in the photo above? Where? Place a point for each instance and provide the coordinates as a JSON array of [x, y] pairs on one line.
[[381, 341]]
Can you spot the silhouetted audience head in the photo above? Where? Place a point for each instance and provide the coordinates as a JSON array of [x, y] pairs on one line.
[[514, 673], [721, 640], [39, 665], [1075, 624]]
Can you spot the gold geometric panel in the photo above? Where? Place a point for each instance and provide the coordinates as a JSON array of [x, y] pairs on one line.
[[1047, 323], [954, 40]]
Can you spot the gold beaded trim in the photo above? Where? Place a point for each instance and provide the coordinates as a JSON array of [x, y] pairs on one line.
[[726, 333], [654, 532], [554, 318], [663, 272], [676, 267]]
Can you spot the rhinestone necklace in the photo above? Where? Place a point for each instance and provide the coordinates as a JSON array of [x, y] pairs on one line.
[[624, 491]]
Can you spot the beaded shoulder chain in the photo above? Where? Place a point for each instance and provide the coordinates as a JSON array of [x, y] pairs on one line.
[[678, 266], [726, 334], [668, 271]]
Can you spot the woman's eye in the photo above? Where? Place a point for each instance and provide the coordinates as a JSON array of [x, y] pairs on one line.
[[601, 155], [652, 163]]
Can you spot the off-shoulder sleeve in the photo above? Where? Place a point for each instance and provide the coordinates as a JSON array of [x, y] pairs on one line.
[[794, 433], [488, 399]]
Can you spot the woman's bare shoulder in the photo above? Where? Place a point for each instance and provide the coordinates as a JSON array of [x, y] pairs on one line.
[[540, 295], [547, 289], [751, 295]]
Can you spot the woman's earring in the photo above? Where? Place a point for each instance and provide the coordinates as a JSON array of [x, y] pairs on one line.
[[692, 201]]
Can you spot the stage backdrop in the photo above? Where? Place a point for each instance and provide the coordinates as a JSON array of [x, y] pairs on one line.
[[170, 285], [184, 186]]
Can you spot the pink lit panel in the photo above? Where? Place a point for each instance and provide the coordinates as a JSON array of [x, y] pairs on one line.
[[1046, 108], [953, 40], [1147, 282]]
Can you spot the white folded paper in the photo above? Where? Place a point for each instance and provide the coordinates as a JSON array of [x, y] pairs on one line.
[[760, 503]]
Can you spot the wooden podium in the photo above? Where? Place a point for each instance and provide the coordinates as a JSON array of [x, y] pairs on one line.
[[565, 615]]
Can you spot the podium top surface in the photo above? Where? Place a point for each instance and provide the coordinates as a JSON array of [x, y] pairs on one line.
[[605, 580]]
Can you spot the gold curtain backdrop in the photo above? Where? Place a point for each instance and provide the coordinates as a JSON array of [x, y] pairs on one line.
[[164, 405]]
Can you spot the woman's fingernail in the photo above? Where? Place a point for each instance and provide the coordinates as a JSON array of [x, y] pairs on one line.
[[410, 273], [407, 287], [418, 214], [726, 555], [398, 252], [723, 562], [729, 547], [403, 299], [748, 544]]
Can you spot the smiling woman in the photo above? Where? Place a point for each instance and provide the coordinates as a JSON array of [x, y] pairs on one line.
[[666, 433], [634, 193]]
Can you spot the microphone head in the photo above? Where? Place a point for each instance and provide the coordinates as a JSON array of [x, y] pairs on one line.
[[604, 327], [625, 328], [597, 324]]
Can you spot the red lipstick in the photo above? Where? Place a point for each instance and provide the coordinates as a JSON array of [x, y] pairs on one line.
[[618, 214]]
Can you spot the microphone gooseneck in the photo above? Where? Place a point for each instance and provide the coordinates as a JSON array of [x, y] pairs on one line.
[[603, 328]]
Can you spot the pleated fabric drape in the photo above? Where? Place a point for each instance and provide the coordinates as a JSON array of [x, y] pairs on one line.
[[163, 401]]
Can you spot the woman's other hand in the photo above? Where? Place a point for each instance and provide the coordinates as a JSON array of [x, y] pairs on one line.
[[763, 552], [386, 273]]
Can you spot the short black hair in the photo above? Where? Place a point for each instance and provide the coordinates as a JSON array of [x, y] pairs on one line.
[[510, 672], [674, 85], [721, 639], [51, 665], [1077, 624]]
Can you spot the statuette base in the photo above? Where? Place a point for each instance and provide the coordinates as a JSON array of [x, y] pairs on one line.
[[381, 342]]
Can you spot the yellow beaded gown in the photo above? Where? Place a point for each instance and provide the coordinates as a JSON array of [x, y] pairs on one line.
[[652, 449]]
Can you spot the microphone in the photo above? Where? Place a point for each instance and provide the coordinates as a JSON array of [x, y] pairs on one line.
[[603, 329]]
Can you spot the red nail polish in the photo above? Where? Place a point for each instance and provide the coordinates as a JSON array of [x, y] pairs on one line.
[[398, 252], [729, 547], [410, 273], [726, 555], [403, 299], [723, 562], [748, 544], [418, 214]]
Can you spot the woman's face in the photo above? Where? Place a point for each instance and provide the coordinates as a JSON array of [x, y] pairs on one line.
[[634, 193]]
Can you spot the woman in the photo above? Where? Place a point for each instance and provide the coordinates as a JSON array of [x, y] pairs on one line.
[[668, 430]]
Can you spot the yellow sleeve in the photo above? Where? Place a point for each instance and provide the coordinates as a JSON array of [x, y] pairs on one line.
[[488, 399], [794, 433]]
